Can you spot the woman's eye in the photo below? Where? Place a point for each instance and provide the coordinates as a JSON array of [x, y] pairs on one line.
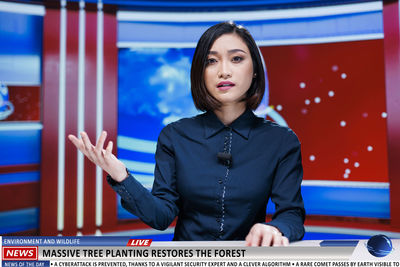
[[237, 59], [211, 61]]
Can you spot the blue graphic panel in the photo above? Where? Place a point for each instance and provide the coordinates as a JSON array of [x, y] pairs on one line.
[[19, 220], [20, 147], [20, 34], [344, 201], [19, 177], [154, 90], [366, 23], [347, 201], [20, 48]]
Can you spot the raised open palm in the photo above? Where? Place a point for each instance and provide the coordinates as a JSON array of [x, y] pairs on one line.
[[100, 156]]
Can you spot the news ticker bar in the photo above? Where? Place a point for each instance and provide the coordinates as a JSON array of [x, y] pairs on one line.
[[124, 251]]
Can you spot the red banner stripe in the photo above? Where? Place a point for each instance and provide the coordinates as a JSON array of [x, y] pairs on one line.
[[110, 116], [71, 114], [90, 121], [51, 58], [19, 168]]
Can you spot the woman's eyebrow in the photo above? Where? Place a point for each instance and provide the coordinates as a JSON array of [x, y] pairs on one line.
[[236, 50], [231, 51]]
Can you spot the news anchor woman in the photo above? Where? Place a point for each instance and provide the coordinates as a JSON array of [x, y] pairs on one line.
[[217, 171]]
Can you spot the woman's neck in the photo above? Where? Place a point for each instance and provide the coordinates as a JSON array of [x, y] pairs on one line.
[[228, 114]]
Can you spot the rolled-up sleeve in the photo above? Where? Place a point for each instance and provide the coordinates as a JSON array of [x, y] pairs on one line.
[[286, 190], [157, 208]]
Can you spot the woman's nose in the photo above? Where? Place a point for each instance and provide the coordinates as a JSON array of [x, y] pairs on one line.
[[224, 71]]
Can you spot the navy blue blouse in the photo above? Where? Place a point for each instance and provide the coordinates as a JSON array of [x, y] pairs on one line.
[[216, 201]]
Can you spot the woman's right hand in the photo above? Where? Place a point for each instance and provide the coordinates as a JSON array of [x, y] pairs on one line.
[[100, 156]]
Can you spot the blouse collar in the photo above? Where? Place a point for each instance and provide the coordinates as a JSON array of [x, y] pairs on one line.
[[242, 125]]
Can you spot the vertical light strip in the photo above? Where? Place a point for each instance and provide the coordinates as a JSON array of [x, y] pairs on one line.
[[99, 110], [61, 116], [81, 113]]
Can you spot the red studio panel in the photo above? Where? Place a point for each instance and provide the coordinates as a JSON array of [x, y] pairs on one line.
[[26, 102], [336, 106]]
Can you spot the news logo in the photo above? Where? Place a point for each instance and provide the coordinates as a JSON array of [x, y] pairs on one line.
[[20, 253], [379, 246]]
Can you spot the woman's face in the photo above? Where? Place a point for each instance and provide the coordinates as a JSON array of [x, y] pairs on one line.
[[229, 71]]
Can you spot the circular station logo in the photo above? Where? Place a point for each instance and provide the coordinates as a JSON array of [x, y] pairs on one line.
[[379, 245]]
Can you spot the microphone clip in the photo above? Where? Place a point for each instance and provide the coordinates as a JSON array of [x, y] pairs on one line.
[[225, 158]]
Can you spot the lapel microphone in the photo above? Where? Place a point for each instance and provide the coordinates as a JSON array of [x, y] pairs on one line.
[[225, 158]]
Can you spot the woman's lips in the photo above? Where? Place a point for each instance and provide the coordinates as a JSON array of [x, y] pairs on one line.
[[225, 85]]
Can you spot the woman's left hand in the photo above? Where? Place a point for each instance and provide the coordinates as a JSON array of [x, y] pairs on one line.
[[265, 235]]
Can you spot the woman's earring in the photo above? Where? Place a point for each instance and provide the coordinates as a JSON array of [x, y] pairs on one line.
[[254, 75]]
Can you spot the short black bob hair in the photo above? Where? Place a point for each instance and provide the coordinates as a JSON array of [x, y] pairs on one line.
[[202, 99]]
